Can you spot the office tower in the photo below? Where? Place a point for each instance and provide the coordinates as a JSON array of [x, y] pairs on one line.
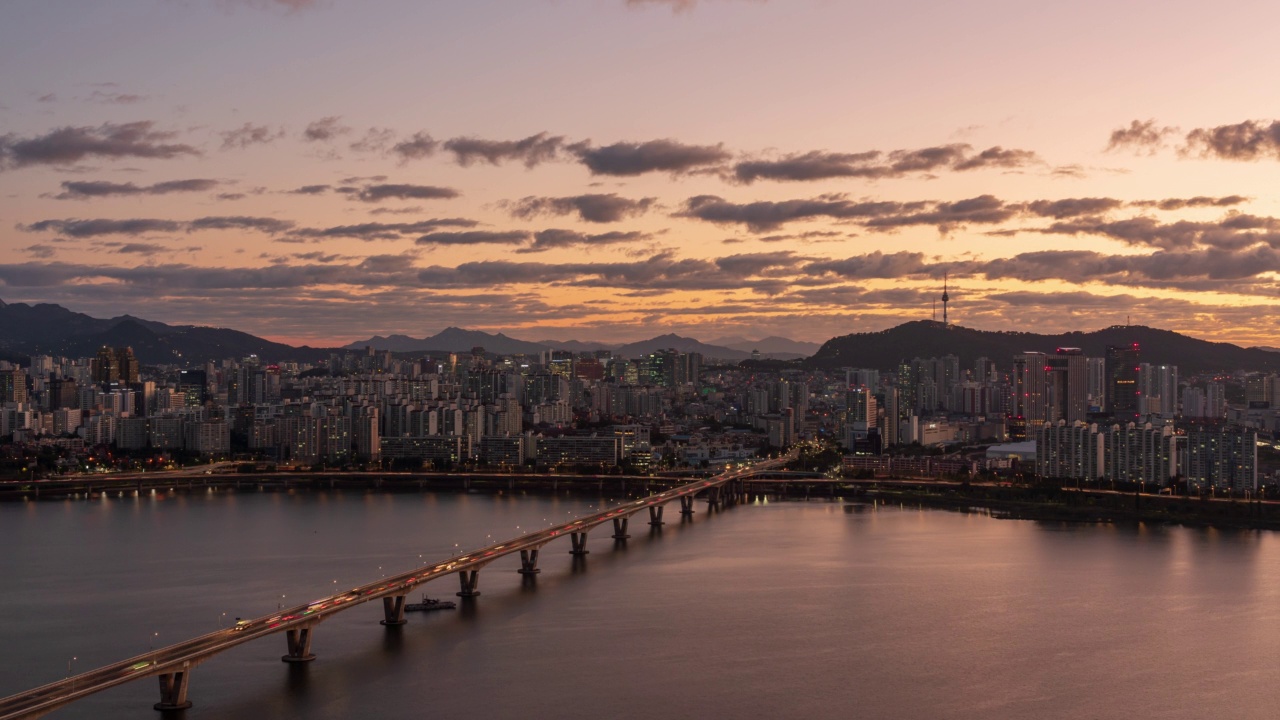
[[127, 365], [1096, 382], [1122, 379], [1067, 385], [1029, 388], [106, 366], [13, 385]]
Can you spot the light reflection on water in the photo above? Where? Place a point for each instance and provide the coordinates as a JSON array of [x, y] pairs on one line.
[[779, 609]]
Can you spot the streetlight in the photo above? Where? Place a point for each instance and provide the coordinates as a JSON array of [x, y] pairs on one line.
[[154, 635], [73, 659]]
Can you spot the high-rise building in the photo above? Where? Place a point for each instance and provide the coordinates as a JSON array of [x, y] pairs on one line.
[[1067, 385], [106, 366], [1122, 378], [1075, 451], [127, 365], [1029, 388], [1096, 382], [13, 385], [1226, 459]]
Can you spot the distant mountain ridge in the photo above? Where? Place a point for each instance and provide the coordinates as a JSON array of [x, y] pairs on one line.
[[884, 350], [454, 339], [46, 329]]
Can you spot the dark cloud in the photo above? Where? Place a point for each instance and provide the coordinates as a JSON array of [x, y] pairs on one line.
[[872, 265], [531, 151], [819, 165], [1249, 140], [927, 159], [553, 238], [1072, 207], [79, 190], [596, 208], [750, 264], [1140, 136], [249, 134], [382, 231], [231, 196], [310, 190], [1194, 202], [318, 256], [1232, 232], [378, 193], [271, 226], [998, 157], [629, 159], [72, 144], [374, 140], [814, 165], [145, 226], [140, 248], [764, 215], [420, 146], [326, 128], [474, 237], [94, 228]]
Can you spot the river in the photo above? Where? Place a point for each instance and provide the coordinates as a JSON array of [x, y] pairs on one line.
[[819, 609]]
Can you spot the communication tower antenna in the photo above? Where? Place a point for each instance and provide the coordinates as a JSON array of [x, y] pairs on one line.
[[945, 298]]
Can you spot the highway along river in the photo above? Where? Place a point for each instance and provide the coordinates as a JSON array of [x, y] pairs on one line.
[[768, 610]]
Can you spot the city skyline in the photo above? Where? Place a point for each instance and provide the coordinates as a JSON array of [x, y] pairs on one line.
[[319, 172]]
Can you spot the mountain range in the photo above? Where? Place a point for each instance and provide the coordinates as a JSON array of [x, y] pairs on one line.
[[886, 349], [454, 339], [46, 329]]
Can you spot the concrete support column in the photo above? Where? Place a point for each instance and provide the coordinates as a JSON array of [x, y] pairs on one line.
[[529, 562], [469, 580], [620, 528], [393, 609], [713, 497], [686, 505], [173, 690], [299, 641], [655, 515], [579, 540]]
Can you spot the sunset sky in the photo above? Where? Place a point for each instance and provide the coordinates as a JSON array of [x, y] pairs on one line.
[[320, 171]]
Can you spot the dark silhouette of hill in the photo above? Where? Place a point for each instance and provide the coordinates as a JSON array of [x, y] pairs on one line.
[[46, 329], [884, 350]]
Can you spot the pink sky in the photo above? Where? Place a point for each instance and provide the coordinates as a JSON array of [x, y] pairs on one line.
[[605, 170]]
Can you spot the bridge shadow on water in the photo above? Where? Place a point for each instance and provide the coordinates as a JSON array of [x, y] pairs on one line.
[[361, 652]]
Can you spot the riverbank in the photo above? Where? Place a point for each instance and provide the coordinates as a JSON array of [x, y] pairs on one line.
[[1088, 506]]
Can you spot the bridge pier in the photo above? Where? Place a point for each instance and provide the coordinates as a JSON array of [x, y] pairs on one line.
[[620, 528], [299, 641], [469, 580], [579, 541], [529, 562], [173, 690], [713, 498], [393, 609], [686, 505], [655, 515]]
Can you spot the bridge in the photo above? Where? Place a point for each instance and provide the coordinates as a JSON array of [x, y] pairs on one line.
[[173, 664]]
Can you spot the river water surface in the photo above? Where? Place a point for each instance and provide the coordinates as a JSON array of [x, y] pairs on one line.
[[819, 609]]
